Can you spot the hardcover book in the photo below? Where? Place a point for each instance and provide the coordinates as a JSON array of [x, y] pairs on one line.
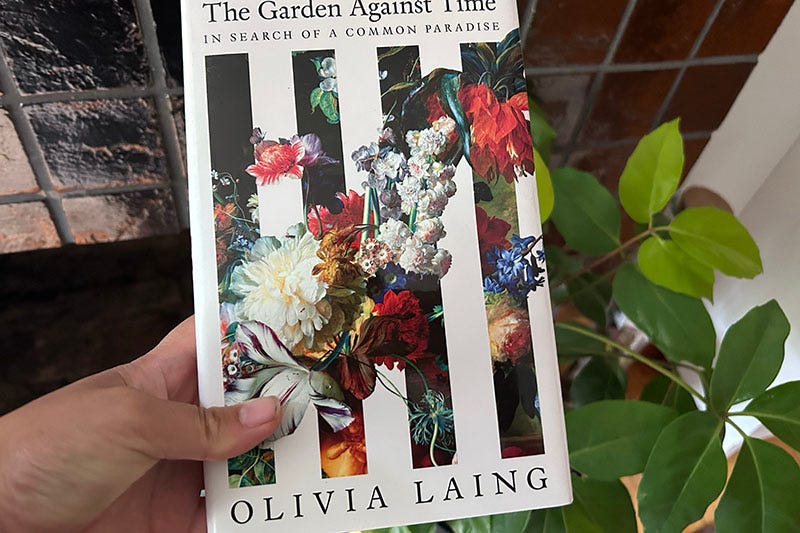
[[367, 248]]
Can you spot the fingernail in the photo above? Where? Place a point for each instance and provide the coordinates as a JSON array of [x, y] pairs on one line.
[[258, 412]]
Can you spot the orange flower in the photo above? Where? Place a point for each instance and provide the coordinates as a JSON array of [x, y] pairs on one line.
[[501, 140], [275, 161], [344, 453]]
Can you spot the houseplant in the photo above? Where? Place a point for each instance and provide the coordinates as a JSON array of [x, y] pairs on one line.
[[673, 433]]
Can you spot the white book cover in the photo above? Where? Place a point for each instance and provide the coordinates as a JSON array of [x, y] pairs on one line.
[[367, 248]]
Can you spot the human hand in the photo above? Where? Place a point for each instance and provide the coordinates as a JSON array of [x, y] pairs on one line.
[[120, 450]]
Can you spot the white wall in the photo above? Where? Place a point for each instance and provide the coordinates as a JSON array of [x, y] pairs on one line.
[[753, 161]]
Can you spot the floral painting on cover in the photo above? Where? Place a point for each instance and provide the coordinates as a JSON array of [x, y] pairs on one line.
[[317, 315]]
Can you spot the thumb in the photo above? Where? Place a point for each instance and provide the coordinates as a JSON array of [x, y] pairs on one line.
[[174, 430]]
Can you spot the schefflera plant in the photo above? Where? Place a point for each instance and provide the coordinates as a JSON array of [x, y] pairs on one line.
[[673, 433]]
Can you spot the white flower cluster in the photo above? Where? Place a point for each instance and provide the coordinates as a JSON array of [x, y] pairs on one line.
[[416, 251]]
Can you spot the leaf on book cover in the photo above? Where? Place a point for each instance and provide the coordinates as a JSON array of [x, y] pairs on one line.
[[585, 212], [678, 324], [652, 172], [779, 410], [717, 239], [761, 494], [613, 438], [686, 471], [750, 356]]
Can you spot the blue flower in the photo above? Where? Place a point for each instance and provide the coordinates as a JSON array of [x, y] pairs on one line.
[[491, 285], [510, 264], [522, 243]]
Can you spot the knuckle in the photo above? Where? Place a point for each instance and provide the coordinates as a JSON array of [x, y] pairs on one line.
[[210, 422]]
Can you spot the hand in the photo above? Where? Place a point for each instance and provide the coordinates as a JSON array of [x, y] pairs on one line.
[[120, 451]]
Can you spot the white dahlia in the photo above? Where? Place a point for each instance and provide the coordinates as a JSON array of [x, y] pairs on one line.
[[277, 287]]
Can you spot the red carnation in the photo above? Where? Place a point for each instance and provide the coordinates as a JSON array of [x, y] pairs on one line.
[[352, 214], [492, 232], [411, 326]]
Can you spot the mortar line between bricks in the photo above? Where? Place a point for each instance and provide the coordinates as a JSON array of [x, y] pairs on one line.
[[597, 83], [640, 67], [109, 191], [22, 198], [169, 131], [33, 150], [692, 53]]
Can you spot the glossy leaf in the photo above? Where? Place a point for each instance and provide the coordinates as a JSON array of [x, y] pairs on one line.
[[479, 524], [761, 496], [717, 239], [750, 356], [544, 186], [591, 294], [599, 379], [601, 506], [542, 133], [686, 471], [652, 172], [779, 410], [664, 391], [665, 263], [418, 528], [678, 324], [613, 438], [585, 212], [572, 344], [510, 521]]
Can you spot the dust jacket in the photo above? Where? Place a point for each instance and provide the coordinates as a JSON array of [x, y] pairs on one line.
[[367, 248]]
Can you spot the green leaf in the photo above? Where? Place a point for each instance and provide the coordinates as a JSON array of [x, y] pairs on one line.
[[613, 438], [570, 343], [606, 503], [664, 391], [480, 524], [601, 506], [591, 294], [234, 481], [585, 212], [761, 496], [666, 264], [686, 471], [451, 83], [750, 356], [652, 172], [418, 528], [544, 186], [599, 379], [678, 324], [329, 106], [717, 239], [511, 522], [779, 410], [542, 133], [315, 97]]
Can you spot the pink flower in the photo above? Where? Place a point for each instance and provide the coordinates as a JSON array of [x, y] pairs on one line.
[[275, 161]]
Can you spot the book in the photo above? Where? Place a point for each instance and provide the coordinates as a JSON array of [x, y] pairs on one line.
[[367, 248]]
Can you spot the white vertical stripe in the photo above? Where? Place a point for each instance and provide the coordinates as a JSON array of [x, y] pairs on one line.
[[272, 89], [385, 415], [280, 206], [360, 105], [471, 382]]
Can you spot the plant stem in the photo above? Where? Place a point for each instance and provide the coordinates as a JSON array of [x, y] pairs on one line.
[[616, 251], [633, 355]]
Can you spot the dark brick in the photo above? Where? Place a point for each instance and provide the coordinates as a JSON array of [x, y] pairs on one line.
[[705, 95], [120, 217], [661, 30], [167, 15], [572, 31], [100, 143], [562, 98], [63, 45], [744, 27], [605, 163]]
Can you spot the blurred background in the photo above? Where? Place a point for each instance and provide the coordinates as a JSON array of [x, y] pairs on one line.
[[94, 247]]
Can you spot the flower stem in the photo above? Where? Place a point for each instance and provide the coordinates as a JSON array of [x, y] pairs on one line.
[[610, 255], [433, 441], [633, 355]]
